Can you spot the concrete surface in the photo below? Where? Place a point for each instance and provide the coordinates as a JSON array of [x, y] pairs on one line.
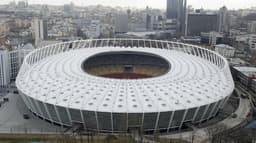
[[12, 121]]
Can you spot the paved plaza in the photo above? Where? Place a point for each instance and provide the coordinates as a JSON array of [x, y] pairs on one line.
[[12, 121]]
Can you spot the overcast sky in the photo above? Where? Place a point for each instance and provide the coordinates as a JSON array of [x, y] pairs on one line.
[[206, 4]]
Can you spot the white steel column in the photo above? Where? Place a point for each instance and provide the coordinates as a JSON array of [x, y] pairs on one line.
[[213, 109], [170, 122], [157, 120], [47, 111], [69, 116], [194, 118], [58, 115], [112, 123], [97, 121], [205, 111], [183, 118], [82, 115]]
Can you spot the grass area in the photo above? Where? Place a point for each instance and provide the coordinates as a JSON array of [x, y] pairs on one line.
[[29, 138]]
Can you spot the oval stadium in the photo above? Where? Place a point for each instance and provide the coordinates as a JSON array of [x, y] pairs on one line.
[[118, 85]]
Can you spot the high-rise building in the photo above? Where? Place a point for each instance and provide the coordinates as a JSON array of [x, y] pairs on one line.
[[10, 62], [148, 19], [153, 18], [68, 8], [4, 70], [22, 4], [121, 23], [200, 22], [172, 9], [40, 27], [223, 20], [176, 9], [251, 27], [94, 30]]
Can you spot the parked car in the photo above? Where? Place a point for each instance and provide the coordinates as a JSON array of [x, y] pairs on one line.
[[26, 116], [15, 92], [6, 99]]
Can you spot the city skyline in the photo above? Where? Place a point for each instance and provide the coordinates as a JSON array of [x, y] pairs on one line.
[[161, 4]]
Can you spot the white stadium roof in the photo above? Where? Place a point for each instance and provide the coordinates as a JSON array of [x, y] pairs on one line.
[[191, 82]]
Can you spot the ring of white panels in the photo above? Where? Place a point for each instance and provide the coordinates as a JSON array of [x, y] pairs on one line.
[[54, 86]]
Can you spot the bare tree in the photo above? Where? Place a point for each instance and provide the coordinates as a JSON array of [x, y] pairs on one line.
[[214, 131], [192, 136]]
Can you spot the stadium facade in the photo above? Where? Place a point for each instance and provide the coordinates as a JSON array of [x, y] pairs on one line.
[[116, 85]]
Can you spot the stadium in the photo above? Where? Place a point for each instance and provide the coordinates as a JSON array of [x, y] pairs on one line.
[[118, 85]]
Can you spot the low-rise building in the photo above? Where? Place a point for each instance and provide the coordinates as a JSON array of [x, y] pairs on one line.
[[225, 50], [237, 62], [211, 38], [252, 41], [245, 75]]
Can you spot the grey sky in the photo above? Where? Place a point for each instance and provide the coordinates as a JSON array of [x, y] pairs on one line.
[[207, 4]]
